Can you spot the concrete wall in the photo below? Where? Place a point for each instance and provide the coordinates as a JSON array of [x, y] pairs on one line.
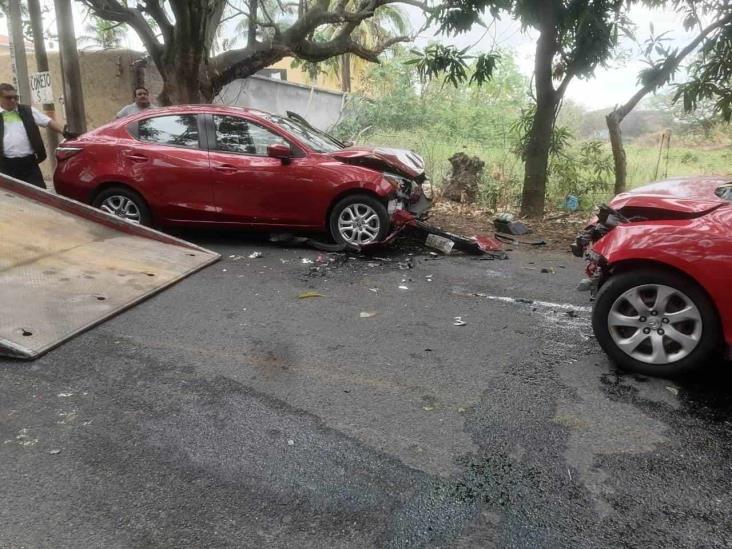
[[322, 108]]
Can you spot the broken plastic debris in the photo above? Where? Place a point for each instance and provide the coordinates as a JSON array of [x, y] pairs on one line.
[[585, 285], [290, 442], [64, 395], [54, 451], [459, 321], [367, 314], [256, 255], [672, 390], [375, 290], [428, 408], [403, 287], [307, 295], [548, 270], [307, 261], [439, 243]]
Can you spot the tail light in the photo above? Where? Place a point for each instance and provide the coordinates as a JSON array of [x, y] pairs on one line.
[[64, 153]]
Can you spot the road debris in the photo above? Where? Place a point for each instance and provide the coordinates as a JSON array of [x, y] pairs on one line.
[[256, 255], [440, 243], [367, 314], [672, 390], [306, 261], [290, 442], [403, 287], [504, 223], [54, 452], [548, 270], [459, 321], [309, 294]]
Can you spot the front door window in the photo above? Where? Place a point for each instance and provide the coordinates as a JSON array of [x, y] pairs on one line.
[[238, 135]]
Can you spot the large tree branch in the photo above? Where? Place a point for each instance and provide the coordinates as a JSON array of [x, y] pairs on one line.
[[157, 12], [667, 69], [113, 10]]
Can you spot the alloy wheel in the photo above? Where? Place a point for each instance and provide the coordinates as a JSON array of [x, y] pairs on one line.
[[655, 324], [359, 224], [121, 206]]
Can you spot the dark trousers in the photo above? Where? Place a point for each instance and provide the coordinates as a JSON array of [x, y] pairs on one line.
[[24, 168]]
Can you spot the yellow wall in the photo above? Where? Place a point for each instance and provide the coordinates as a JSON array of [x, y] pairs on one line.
[[329, 81]]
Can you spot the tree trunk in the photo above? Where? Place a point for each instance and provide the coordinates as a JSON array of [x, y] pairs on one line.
[[185, 81], [346, 72], [536, 160], [616, 142]]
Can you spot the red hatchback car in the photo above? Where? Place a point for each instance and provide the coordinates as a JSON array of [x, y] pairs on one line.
[[223, 166], [660, 261]]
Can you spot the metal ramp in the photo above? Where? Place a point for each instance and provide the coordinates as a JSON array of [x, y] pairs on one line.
[[65, 267]]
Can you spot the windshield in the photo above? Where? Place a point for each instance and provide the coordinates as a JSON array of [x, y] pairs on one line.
[[318, 141]]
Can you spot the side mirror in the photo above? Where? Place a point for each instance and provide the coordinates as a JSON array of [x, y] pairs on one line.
[[279, 150]]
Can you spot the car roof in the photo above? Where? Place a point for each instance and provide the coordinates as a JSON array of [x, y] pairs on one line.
[[198, 108]]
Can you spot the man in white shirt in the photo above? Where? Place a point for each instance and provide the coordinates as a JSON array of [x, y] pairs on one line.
[[142, 102], [21, 146]]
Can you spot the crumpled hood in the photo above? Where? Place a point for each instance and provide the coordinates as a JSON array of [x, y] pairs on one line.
[[400, 161], [683, 197]]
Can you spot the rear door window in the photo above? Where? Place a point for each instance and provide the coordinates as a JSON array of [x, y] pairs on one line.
[[179, 130], [238, 135]]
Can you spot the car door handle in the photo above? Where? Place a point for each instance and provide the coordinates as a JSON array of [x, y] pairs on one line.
[[136, 157], [226, 168]]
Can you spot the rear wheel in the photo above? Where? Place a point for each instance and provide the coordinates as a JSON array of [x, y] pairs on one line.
[[124, 203], [358, 219], [655, 322]]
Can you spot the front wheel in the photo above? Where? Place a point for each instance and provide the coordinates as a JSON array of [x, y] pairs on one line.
[[358, 219], [655, 322]]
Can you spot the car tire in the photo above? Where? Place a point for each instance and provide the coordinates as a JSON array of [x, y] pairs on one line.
[[679, 338], [124, 203], [357, 220]]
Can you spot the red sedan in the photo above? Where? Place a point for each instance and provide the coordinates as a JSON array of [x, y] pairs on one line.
[[222, 166], [660, 261]]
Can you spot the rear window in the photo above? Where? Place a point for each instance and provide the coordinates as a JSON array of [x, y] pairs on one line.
[[180, 130], [725, 193]]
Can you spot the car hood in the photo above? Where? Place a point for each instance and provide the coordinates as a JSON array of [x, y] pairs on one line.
[[401, 161], [675, 198]]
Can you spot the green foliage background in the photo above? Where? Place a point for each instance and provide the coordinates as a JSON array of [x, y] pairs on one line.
[[396, 108]]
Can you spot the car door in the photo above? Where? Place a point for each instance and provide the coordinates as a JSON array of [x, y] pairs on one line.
[[170, 166], [251, 187]]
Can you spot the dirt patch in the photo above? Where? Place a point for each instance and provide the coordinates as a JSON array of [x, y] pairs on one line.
[[557, 229]]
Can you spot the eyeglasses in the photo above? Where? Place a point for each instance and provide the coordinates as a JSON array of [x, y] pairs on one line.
[[11, 97]]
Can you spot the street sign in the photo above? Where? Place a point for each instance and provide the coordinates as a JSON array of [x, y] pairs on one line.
[[40, 84]]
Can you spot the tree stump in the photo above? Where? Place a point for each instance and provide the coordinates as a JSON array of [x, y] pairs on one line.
[[463, 182]]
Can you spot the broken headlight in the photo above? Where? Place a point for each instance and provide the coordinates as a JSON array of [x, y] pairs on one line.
[[402, 185]]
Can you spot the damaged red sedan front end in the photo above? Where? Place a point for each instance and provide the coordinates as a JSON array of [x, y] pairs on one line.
[[660, 268]]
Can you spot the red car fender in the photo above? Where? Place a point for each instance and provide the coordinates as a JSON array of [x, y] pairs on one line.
[[692, 247]]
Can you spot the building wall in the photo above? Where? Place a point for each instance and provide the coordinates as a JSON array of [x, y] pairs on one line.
[[327, 81], [322, 108]]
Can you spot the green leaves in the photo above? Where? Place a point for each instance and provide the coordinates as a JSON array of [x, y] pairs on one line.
[[437, 60], [484, 68]]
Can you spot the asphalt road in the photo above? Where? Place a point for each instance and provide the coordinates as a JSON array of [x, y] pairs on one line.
[[226, 412]]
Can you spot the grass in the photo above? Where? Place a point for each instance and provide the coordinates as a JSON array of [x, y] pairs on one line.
[[504, 170]]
